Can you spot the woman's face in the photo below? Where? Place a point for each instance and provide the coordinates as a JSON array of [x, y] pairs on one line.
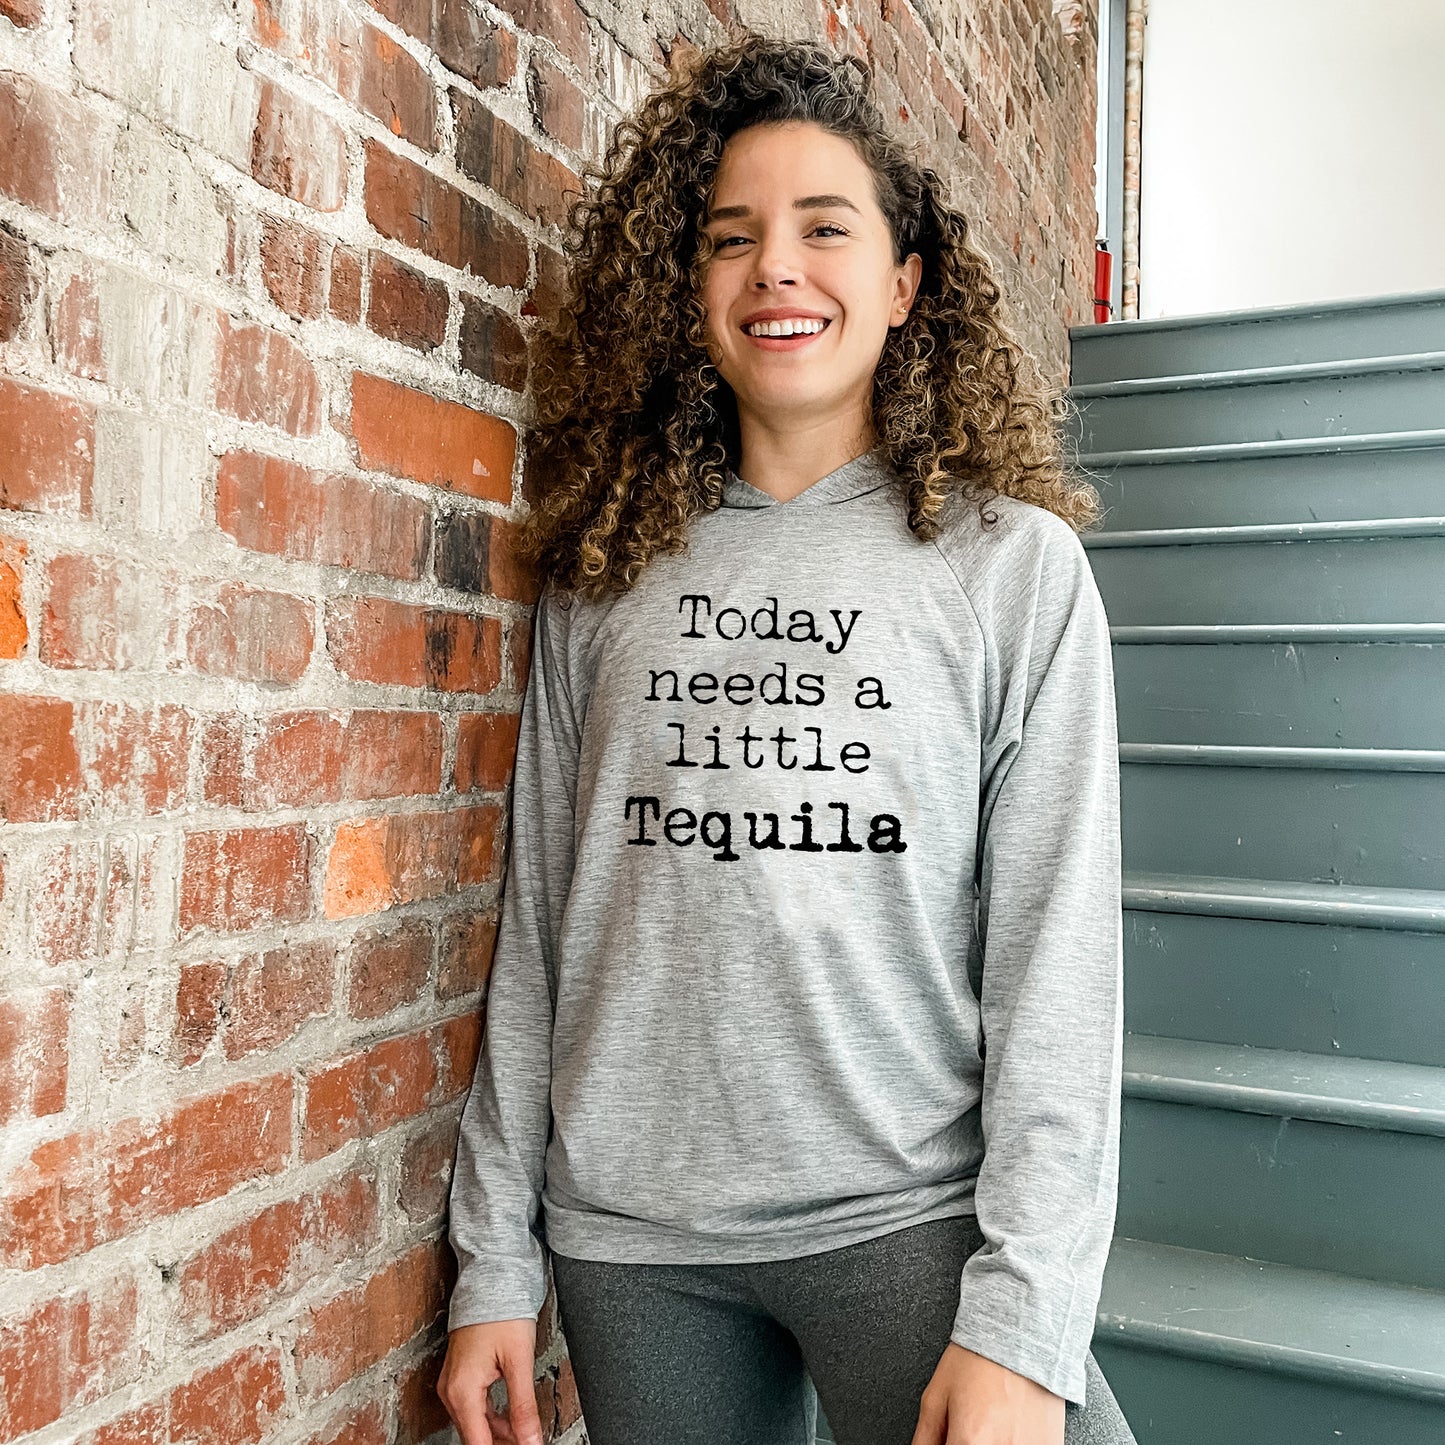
[[797, 231]]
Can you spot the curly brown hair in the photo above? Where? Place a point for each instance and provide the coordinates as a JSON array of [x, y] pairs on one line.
[[633, 427]]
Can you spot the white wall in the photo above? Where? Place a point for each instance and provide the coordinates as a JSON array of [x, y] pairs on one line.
[[1291, 150]]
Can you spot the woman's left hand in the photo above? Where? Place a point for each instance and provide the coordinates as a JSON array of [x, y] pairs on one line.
[[972, 1400]]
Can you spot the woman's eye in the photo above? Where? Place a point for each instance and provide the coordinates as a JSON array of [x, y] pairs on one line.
[[821, 226]]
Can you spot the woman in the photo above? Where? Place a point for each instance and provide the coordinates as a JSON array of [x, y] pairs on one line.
[[814, 875]]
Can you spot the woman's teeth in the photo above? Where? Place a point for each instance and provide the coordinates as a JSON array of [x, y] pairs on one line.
[[784, 328]]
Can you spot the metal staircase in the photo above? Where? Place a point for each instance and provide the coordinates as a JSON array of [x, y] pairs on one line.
[[1273, 563]]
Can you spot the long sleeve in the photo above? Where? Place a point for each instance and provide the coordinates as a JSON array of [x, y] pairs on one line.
[[1051, 932], [506, 1124]]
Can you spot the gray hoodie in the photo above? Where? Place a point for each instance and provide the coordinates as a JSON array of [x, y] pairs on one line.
[[813, 889]]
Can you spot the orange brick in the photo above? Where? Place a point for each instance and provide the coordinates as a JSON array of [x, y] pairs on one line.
[[239, 878], [411, 434], [139, 758], [362, 1326], [276, 506], [34, 1053], [14, 631], [376, 639], [85, 1189], [48, 461], [108, 612], [235, 1403], [378, 863], [363, 1094], [245, 1270], [486, 750], [39, 765]]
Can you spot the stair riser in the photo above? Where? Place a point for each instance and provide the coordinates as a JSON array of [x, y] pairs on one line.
[[1306, 824], [1264, 411], [1173, 1399], [1122, 351], [1369, 993], [1293, 1191], [1344, 695], [1326, 487], [1388, 579]]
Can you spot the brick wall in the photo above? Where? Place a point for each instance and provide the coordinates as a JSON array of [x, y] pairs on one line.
[[266, 272]]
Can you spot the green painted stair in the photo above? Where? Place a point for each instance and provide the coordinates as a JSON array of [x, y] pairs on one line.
[[1272, 559]]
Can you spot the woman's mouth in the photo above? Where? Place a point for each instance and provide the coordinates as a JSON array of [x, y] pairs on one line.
[[786, 343]]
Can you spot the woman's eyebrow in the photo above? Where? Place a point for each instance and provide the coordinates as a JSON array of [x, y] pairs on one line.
[[803, 203]]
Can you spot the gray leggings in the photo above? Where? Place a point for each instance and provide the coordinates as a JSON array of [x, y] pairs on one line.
[[741, 1354]]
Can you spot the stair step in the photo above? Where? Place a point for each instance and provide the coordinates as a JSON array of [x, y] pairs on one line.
[[1320, 825], [1152, 634], [1246, 490], [1363, 760], [1356, 529], [1285, 900], [1351, 695], [1320, 579], [1259, 336], [1225, 451], [1346, 984], [1277, 404], [1368, 1093], [1294, 1190], [1258, 1315], [1260, 375]]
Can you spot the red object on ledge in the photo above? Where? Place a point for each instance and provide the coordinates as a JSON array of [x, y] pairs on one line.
[[1103, 276]]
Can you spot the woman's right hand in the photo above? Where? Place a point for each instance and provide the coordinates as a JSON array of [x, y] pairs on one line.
[[477, 1357]]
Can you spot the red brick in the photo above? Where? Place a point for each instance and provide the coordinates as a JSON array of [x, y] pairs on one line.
[[200, 1003], [362, 1326], [39, 765], [406, 306], [557, 105], [244, 1271], [407, 203], [468, 942], [235, 1403], [48, 461], [462, 38], [378, 863], [486, 750], [367, 1425], [239, 878], [66, 1352], [492, 344], [426, 1170], [411, 434], [345, 298], [503, 159], [75, 334], [109, 613], [65, 897], [265, 377], [139, 758], [23, 12], [252, 636], [389, 969], [375, 639], [509, 574], [561, 21], [395, 89], [306, 758], [17, 283], [145, 1425], [458, 1041], [420, 1412], [222, 761], [298, 151], [57, 152], [34, 1053], [295, 266], [85, 1189], [363, 1094], [14, 630], [519, 649], [276, 506], [551, 286]]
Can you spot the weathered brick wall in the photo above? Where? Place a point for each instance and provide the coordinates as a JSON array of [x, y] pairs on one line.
[[266, 271]]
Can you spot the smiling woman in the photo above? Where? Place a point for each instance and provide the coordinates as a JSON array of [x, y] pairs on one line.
[[814, 882]]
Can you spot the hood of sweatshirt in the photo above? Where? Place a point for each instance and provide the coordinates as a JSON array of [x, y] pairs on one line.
[[864, 473]]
